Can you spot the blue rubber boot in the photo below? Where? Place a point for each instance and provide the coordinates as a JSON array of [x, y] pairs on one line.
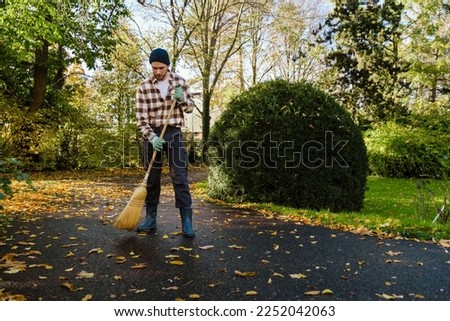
[[186, 221], [150, 220]]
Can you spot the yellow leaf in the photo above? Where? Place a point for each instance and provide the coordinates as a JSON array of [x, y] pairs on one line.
[[278, 275], [69, 269], [176, 262], [85, 275], [327, 291], [165, 236], [244, 274], [444, 243], [313, 292], [391, 253], [70, 254], [120, 259], [206, 247], [140, 291], [81, 228], [71, 287], [276, 247], [87, 297], [264, 262], [269, 281], [172, 256], [171, 288], [250, 293], [387, 296], [96, 250], [297, 276], [43, 277], [139, 266], [194, 296], [236, 247], [117, 277]]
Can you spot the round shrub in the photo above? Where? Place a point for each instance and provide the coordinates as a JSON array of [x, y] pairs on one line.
[[404, 151], [289, 144]]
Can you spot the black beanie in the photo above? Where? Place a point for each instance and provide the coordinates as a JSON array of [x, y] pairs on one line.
[[159, 55]]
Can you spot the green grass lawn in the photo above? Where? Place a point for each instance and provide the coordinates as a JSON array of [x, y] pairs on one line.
[[392, 207]]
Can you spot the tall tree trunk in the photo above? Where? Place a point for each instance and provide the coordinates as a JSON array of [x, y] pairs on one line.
[[40, 77], [206, 118]]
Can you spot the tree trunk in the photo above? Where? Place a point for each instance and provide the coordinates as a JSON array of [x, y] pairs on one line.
[[40, 77], [206, 118]]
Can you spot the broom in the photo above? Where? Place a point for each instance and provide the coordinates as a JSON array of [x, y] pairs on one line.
[[128, 219]]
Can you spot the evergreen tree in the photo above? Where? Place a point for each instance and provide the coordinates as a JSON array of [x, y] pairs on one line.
[[363, 39]]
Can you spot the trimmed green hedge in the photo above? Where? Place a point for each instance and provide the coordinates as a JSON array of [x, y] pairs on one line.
[[415, 150], [290, 144]]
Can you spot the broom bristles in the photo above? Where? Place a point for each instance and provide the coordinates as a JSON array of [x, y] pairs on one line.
[[128, 219]]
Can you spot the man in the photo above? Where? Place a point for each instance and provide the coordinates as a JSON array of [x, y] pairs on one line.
[[153, 100]]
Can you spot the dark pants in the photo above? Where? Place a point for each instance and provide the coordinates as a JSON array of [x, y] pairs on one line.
[[178, 163]]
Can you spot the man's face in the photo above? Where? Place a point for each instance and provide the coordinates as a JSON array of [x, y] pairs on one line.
[[159, 70]]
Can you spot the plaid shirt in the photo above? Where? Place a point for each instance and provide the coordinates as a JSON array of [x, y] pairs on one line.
[[152, 109]]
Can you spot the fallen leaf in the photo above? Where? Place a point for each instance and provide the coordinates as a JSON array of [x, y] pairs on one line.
[[391, 253], [120, 259], [70, 254], [278, 275], [251, 293], [96, 250], [327, 291], [81, 228], [176, 262], [87, 297], [206, 247], [244, 274], [236, 247], [85, 275], [389, 297], [297, 276], [117, 277], [69, 269], [139, 266], [171, 288], [70, 287], [313, 292], [194, 296], [444, 243]]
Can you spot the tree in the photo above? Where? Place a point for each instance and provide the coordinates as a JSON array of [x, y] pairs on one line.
[[428, 51], [37, 52], [363, 42], [52, 30]]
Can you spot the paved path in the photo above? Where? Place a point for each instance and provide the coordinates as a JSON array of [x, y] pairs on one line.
[[236, 255]]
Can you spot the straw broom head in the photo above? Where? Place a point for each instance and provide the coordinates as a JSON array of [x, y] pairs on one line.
[[128, 219]]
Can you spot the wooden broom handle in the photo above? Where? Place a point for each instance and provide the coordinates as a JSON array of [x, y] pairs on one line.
[[166, 124]]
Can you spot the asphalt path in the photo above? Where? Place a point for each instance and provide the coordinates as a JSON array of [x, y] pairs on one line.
[[237, 255]]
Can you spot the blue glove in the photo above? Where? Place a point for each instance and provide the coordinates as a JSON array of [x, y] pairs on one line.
[[179, 95], [157, 143]]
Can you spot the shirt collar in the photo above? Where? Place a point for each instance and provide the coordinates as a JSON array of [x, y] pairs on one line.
[[155, 81]]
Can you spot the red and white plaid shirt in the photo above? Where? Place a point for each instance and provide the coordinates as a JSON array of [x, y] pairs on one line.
[[152, 109]]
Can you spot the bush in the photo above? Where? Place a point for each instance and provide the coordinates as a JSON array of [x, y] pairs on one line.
[[405, 151], [10, 169], [290, 144]]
